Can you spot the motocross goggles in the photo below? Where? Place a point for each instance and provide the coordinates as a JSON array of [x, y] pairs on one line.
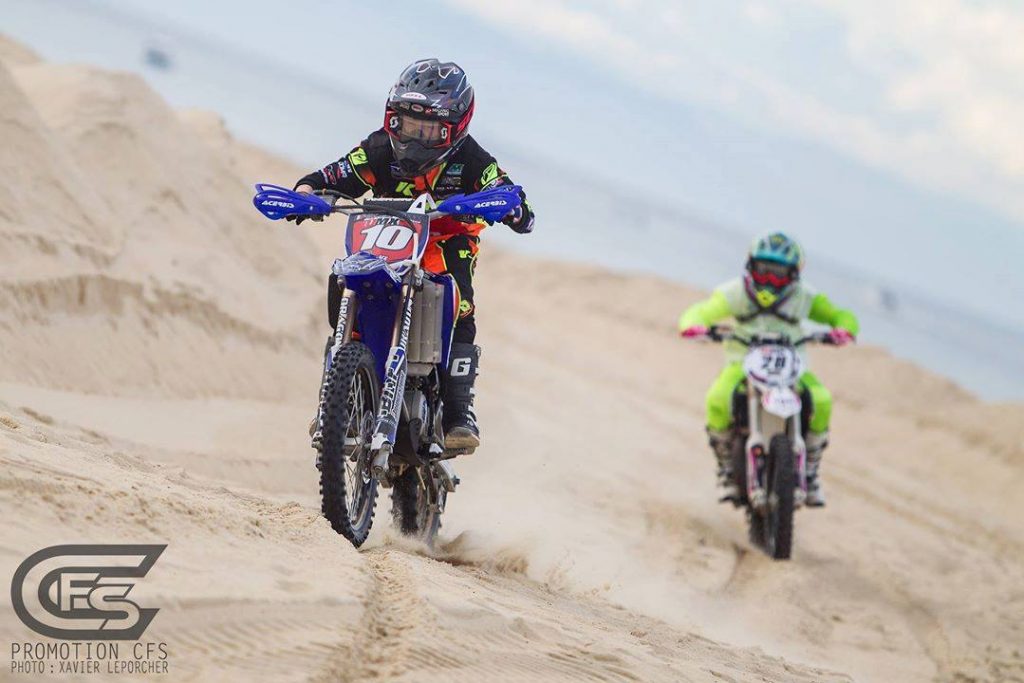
[[431, 133], [771, 273]]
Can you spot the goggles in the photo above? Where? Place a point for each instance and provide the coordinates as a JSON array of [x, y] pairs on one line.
[[428, 132], [771, 273]]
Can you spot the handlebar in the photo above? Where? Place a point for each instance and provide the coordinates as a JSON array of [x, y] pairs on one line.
[[276, 202], [391, 207], [721, 333]]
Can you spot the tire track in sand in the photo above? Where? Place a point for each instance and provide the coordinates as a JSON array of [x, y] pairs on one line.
[[393, 613]]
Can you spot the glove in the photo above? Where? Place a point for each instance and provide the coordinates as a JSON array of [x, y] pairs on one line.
[[298, 218], [841, 337], [518, 220], [694, 332]]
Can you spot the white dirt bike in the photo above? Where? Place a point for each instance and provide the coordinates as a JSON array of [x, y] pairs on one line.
[[769, 453]]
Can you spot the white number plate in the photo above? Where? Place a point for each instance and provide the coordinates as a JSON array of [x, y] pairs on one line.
[[773, 365]]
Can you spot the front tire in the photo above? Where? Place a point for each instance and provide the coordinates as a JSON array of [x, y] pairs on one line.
[[778, 522], [349, 408]]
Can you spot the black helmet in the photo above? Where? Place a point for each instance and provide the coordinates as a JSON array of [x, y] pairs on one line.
[[428, 114]]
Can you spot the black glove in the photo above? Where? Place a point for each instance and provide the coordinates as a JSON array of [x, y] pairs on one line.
[[519, 219], [298, 218]]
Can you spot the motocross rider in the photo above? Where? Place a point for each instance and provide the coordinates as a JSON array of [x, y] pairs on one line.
[[425, 146], [770, 298]]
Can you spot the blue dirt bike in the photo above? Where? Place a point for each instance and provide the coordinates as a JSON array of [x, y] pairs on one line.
[[380, 418]]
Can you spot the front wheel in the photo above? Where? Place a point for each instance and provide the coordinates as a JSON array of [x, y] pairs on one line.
[[349, 410], [778, 519], [416, 504]]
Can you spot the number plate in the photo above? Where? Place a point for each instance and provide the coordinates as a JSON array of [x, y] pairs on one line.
[[773, 365], [390, 237]]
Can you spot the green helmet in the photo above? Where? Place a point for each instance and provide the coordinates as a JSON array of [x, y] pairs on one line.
[[773, 268]]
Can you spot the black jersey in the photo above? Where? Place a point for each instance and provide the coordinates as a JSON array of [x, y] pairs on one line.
[[372, 167]]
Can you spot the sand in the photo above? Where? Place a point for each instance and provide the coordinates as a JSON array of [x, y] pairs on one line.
[[159, 360]]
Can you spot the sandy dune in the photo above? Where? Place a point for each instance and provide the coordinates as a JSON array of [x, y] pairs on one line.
[[159, 358]]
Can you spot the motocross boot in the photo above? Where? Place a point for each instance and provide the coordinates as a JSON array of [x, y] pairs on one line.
[[721, 445], [460, 430], [815, 443]]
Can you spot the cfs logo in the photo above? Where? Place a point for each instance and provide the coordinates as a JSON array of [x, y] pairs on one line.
[[80, 592]]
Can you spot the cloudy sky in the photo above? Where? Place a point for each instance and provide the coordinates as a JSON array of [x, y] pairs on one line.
[[930, 89]]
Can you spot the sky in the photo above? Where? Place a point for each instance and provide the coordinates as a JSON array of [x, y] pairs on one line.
[[930, 89]]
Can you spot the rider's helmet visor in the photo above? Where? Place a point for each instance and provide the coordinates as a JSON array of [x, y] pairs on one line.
[[407, 128]]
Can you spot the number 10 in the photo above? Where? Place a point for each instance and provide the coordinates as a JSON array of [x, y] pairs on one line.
[[388, 237]]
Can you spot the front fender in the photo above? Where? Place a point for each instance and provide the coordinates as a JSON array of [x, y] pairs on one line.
[[781, 401], [364, 264]]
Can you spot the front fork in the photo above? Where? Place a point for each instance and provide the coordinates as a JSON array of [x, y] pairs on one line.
[[393, 392], [757, 449], [343, 330], [342, 333], [800, 453]]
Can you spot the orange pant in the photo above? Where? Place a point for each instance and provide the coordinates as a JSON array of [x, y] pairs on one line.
[[456, 255]]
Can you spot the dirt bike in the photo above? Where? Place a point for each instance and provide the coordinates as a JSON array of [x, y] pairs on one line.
[[380, 417], [769, 453]]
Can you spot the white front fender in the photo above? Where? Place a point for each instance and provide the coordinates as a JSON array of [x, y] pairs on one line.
[[781, 401]]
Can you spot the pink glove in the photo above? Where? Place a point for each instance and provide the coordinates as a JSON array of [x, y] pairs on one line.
[[694, 332], [841, 337]]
